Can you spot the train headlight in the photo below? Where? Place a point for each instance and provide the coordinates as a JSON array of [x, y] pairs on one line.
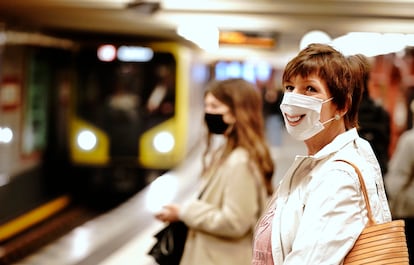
[[86, 140], [163, 142], [6, 135]]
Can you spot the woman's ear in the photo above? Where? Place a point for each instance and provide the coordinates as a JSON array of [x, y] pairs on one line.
[[341, 113], [348, 103]]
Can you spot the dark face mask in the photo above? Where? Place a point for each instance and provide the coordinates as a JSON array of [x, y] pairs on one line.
[[215, 123]]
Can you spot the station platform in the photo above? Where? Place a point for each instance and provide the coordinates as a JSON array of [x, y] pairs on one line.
[[125, 234]]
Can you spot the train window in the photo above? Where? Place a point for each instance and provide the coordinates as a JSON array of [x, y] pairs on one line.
[[38, 83], [114, 93], [125, 98]]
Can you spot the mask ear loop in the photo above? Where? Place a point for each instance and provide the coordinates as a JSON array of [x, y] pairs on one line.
[[337, 117], [327, 100]]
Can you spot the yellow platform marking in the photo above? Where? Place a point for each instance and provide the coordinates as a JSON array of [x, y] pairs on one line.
[[33, 217]]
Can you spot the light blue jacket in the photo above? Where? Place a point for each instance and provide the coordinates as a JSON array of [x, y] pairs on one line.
[[320, 210]]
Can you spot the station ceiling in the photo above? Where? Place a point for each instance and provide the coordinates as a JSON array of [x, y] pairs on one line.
[[287, 20]]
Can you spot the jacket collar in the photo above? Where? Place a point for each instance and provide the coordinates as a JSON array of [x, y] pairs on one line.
[[337, 144]]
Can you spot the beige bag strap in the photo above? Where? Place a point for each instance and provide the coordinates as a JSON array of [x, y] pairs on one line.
[[371, 220]]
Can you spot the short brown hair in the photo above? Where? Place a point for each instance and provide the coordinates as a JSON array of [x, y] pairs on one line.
[[335, 69]]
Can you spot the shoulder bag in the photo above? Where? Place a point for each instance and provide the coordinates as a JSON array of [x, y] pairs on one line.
[[169, 246], [378, 244]]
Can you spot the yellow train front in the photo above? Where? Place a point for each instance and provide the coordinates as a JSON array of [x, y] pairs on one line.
[[135, 109]]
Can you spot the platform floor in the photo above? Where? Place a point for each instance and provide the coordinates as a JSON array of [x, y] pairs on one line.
[[124, 235]]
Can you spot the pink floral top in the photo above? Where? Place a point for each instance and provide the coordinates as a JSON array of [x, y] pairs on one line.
[[262, 247]]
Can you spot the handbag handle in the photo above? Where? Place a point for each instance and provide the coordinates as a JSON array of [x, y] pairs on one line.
[[371, 220]]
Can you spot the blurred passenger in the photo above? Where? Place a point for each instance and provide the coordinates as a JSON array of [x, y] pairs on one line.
[[399, 184], [162, 98], [124, 101], [318, 210], [272, 96], [374, 120], [237, 179]]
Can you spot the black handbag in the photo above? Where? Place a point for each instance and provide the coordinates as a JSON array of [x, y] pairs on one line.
[[169, 247], [170, 244]]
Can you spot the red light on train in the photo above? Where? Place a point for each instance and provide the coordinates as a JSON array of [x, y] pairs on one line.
[[106, 53]]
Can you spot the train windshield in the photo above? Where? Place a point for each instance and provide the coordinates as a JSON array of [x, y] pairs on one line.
[[119, 92]]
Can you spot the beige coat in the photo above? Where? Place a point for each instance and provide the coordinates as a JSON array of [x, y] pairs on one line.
[[222, 222]]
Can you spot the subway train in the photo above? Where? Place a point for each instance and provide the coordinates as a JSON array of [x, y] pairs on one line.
[[136, 110], [90, 119], [34, 70]]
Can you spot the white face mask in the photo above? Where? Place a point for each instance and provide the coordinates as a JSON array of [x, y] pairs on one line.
[[296, 104]]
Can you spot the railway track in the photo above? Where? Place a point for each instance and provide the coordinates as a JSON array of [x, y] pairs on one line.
[[45, 232]]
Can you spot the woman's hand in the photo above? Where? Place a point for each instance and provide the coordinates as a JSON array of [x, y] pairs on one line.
[[169, 213]]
